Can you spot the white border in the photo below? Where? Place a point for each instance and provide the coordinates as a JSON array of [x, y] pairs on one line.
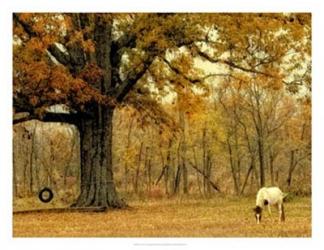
[[314, 6]]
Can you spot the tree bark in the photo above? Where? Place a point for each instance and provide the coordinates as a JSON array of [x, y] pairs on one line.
[[247, 177], [148, 168], [165, 168], [271, 160], [213, 185], [126, 170], [136, 181], [182, 147], [209, 170], [232, 163], [197, 174], [97, 181], [261, 161], [291, 168], [204, 158], [168, 168]]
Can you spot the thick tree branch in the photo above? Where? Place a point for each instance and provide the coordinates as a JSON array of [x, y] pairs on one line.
[[21, 104], [205, 176], [48, 117], [123, 89], [207, 57], [61, 56], [27, 28], [178, 72]]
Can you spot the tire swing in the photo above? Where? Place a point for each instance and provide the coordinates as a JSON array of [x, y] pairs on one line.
[[45, 195]]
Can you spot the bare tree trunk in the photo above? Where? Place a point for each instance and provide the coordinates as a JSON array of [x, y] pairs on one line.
[[246, 178], [271, 160], [97, 182], [136, 181], [14, 179], [206, 162], [177, 180], [185, 178], [261, 161], [197, 174], [163, 166], [167, 168], [237, 157], [232, 163], [126, 170], [182, 156], [291, 169], [148, 168], [172, 172], [208, 171], [213, 185]]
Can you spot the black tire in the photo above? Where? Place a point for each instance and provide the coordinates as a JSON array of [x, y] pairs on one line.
[[45, 199]]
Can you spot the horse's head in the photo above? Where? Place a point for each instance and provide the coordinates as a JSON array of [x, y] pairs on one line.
[[258, 213]]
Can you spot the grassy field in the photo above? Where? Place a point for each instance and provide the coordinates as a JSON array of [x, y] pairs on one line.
[[178, 217]]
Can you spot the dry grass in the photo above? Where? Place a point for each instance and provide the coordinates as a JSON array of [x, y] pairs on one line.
[[217, 217]]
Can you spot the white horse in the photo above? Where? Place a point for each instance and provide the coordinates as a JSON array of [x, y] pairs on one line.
[[268, 196]]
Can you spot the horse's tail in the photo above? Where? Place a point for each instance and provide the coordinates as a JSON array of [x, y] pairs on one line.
[[285, 197]]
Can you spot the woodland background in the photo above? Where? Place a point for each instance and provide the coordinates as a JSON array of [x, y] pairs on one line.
[[208, 154]]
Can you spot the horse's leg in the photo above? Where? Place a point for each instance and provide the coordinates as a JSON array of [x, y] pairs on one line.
[[281, 212], [282, 217], [269, 209]]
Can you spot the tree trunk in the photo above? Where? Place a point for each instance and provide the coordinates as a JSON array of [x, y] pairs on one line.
[[213, 185], [185, 177], [247, 177], [177, 180], [291, 168], [208, 171], [271, 160], [205, 161], [167, 169], [182, 148], [232, 163], [177, 177], [14, 174], [148, 169], [197, 174], [97, 181], [126, 170], [136, 181], [261, 161]]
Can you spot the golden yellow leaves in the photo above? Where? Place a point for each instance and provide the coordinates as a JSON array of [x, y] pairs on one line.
[[88, 46], [48, 27], [91, 73], [77, 38], [36, 46], [249, 42]]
